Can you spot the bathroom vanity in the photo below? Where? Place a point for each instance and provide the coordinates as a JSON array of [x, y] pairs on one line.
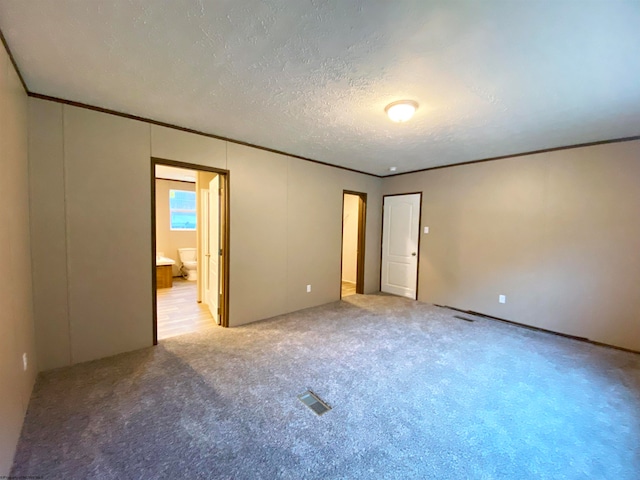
[[164, 272], [164, 276]]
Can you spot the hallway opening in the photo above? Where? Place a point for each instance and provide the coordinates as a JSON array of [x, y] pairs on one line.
[[353, 242]]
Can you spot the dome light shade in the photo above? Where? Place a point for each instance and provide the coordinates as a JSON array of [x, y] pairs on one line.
[[401, 111]]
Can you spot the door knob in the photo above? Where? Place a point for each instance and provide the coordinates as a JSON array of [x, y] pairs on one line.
[[413, 254]]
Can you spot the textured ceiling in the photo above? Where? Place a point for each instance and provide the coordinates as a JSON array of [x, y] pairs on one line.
[[312, 78]]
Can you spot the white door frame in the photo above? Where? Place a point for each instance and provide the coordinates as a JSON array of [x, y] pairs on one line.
[[419, 236]]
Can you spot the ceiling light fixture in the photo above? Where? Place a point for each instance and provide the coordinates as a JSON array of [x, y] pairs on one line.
[[402, 110]]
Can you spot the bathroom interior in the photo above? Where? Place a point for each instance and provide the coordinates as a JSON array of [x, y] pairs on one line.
[[185, 223]]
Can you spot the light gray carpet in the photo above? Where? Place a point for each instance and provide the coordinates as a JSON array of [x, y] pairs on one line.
[[415, 392]]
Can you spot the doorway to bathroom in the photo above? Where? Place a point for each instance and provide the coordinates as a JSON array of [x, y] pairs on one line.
[[354, 211], [189, 243]]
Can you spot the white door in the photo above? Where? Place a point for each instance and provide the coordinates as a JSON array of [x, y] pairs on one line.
[[213, 297], [400, 229], [203, 263]]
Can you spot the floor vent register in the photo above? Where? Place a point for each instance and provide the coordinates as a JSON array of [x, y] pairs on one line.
[[315, 403]]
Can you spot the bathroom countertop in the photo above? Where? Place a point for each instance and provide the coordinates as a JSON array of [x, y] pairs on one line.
[[162, 261]]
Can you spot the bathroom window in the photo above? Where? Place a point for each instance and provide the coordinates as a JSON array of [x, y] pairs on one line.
[[182, 209]]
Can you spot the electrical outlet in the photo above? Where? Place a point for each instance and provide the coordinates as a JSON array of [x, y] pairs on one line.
[[426, 229], [308, 288], [502, 299], [25, 362]]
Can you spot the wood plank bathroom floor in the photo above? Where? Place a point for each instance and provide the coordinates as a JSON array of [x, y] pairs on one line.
[[348, 288], [179, 311]]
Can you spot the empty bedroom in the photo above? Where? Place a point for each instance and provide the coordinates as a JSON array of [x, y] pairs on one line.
[[323, 240]]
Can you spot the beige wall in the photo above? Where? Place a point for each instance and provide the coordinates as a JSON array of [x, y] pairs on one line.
[[350, 238], [91, 274], [108, 194], [557, 233], [48, 231], [286, 217], [16, 317], [286, 220], [169, 241]]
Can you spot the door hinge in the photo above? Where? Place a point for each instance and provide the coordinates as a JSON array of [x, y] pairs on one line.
[[220, 252], [218, 310]]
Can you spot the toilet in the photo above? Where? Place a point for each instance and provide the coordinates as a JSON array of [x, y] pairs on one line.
[[189, 263]]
